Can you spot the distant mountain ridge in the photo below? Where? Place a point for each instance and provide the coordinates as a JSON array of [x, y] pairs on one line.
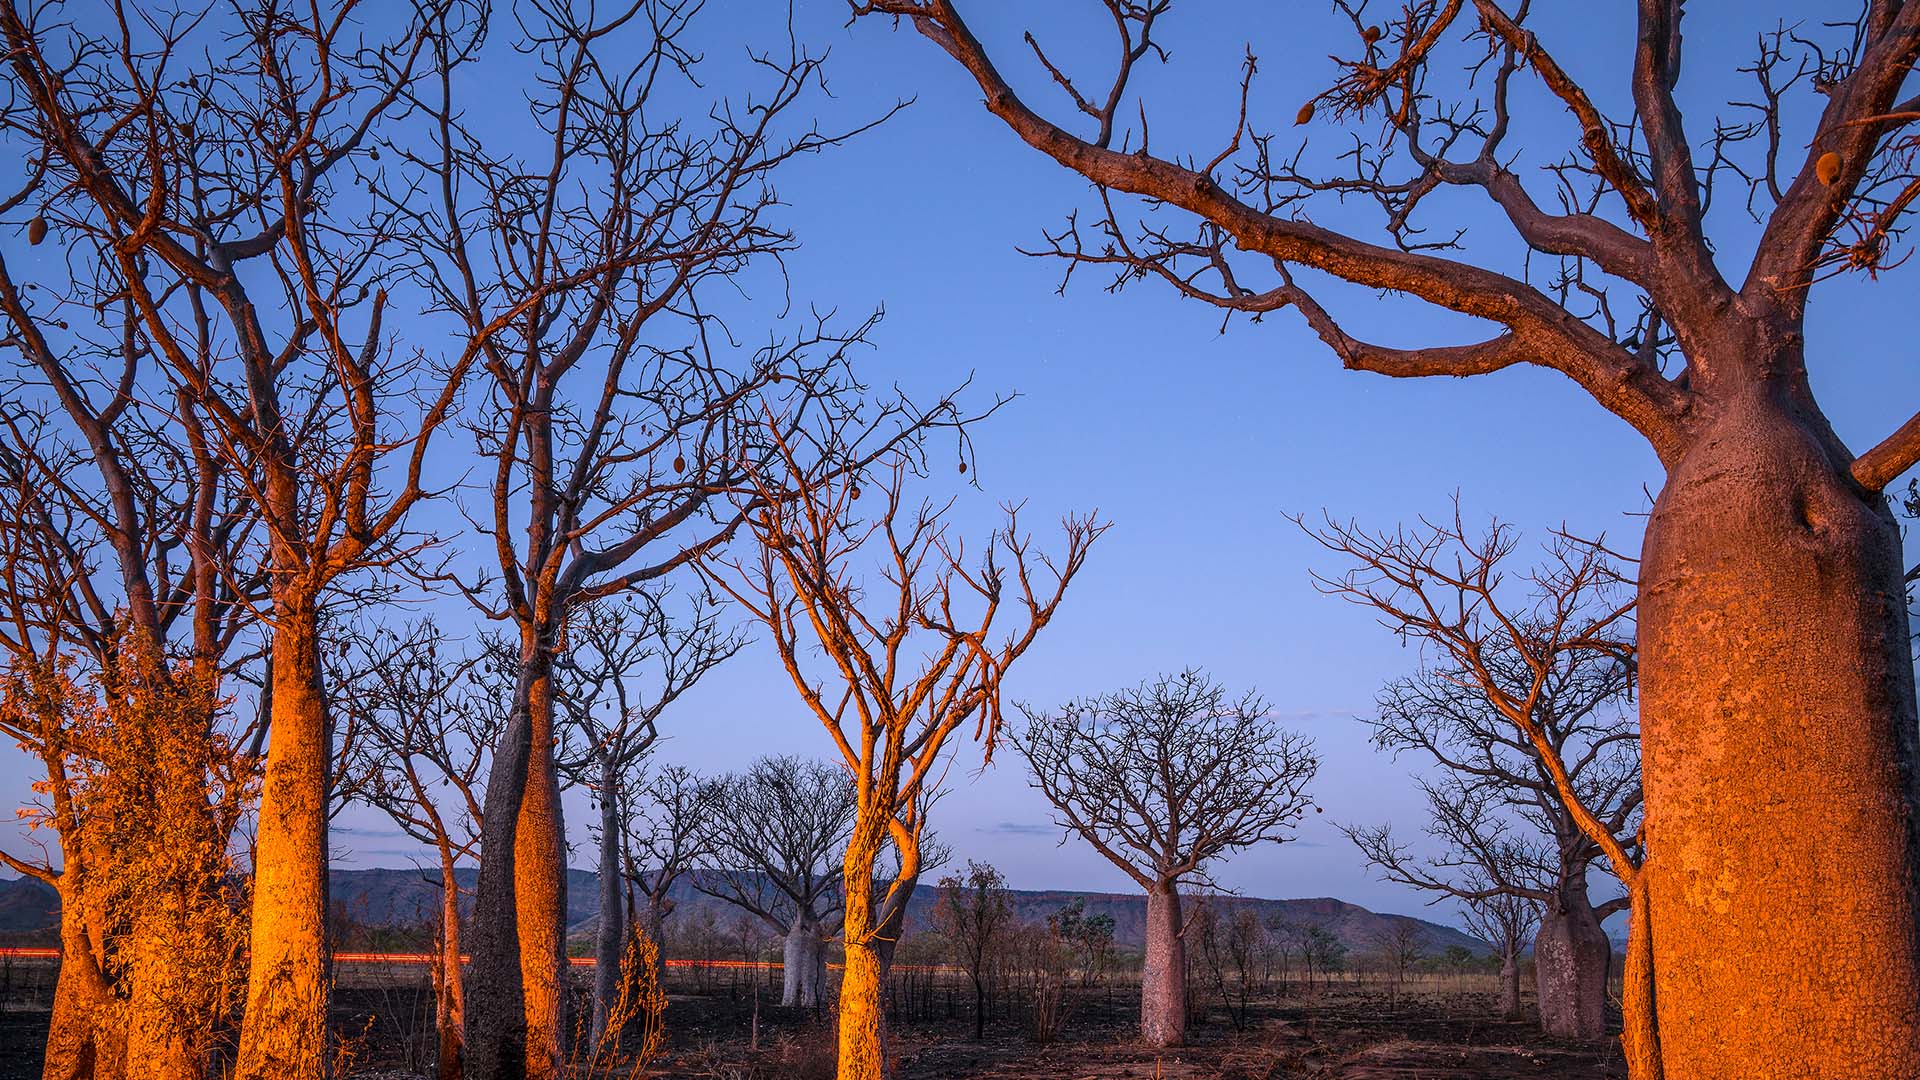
[[400, 899]]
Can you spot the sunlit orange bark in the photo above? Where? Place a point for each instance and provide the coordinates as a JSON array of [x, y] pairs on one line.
[[449, 990], [83, 1029], [284, 1036], [1779, 760], [540, 893], [863, 1052]]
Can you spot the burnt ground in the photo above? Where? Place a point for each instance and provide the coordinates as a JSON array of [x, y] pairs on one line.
[[1448, 1030]]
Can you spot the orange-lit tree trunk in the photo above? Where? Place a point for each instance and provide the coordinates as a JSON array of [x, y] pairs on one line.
[[1163, 974], [1778, 737], [449, 990], [540, 895], [290, 973], [496, 1016], [83, 1028], [863, 1051]]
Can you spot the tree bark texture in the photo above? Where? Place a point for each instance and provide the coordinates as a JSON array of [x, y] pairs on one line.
[[540, 894], [1571, 954], [1510, 984], [1163, 996], [449, 991], [610, 940], [289, 979], [83, 1031], [1778, 742], [863, 980], [496, 1008], [803, 973]]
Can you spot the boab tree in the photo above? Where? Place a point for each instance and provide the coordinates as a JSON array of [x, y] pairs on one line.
[[774, 838], [662, 837], [1503, 920], [1547, 652], [1777, 686], [1162, 779], [204, 174], [916, 639], [627, 660], [1497, 808], [618, 406], [426, 720], [123, 613]]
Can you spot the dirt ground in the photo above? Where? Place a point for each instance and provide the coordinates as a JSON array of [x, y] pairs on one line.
[[1445, 1030]]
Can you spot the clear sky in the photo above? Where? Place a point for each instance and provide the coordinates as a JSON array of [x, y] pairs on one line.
[[1194, 442]]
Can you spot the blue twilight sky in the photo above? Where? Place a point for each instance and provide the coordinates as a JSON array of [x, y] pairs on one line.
[[1194, 442]]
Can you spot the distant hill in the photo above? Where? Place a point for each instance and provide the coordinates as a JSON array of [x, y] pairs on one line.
[[397, 899]]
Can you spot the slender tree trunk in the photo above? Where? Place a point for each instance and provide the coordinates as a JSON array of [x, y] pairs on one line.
[[804, 963], [612, 935], [83, 1032], [496, 1015], [450, 992], [1163, 991], [540, 872], [655, 923], [1778, 746], [862, 1036], [1639, 1035], [1571, 955], [289, 979]]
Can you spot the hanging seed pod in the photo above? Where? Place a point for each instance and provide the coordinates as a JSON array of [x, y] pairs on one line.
[[1827, 168], [36, 230], [374, 153], [963, 467], [1304, 115], [1370, 35], [679, 464], [855, 492]]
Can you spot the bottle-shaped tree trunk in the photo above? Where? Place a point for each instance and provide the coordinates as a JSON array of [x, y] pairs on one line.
[[804, 964], [1163, 976], [1510, 981], [1777, 707], [1570, 958]]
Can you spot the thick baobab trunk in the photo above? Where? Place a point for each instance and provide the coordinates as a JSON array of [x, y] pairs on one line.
[[1510, 981], [1571, 954], [83, 1031], [1163, 992], [449, 990], [611, 938], [496, 1012], [803, 972], [289, 980], [162, 1042], [540, 894], [1778, 745]]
